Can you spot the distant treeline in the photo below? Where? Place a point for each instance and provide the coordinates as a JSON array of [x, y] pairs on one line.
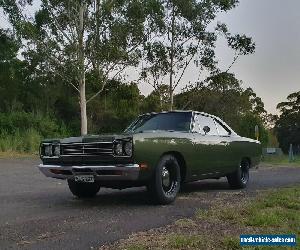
[[34, 110], [36, 106]]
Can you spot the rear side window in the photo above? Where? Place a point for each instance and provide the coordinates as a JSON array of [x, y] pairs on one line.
[[201, 121], [223, 131]]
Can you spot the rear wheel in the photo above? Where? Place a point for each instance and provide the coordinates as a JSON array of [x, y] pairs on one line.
[[166, 180], [240, 177], [83, 190]]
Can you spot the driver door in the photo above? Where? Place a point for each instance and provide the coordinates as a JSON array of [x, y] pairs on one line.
[[208, 146]]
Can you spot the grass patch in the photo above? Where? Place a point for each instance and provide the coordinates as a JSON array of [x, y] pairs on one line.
[[280, 160], [136, 247], [231, 214], [175, 241], [278, 210], [231, 243], [185, 223], [22, 132], [19, 155], [25, 142]]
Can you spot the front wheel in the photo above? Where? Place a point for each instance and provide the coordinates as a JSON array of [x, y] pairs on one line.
[[83, 190], [240, 177], [166, 180]]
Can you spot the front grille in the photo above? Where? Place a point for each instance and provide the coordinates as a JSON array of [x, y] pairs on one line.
[[86, 149]]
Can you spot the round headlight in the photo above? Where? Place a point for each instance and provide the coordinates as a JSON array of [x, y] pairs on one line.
[[56, 150], [119, 148], [48, 150], [128, 148]]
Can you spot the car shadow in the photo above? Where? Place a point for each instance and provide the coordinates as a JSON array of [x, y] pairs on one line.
[[111, 198], [140, 197], [206, 186]]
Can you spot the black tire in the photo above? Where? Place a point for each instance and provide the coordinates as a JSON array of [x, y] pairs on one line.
[[84, 190], [240, 177], [165, 183]]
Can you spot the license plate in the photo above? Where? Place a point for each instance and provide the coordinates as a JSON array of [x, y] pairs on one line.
[[84, 178]]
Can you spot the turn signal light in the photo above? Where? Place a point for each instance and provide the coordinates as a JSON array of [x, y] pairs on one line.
[[143, 166]]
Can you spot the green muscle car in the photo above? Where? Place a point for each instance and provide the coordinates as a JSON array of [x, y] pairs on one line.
[[158, 150]]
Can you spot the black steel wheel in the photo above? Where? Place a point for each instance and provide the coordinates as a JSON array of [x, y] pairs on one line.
[[239, 178], [165, 183]]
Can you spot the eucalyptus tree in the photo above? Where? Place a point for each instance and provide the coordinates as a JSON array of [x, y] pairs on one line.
[[10, 73], [287, 126], [186, 35], [75, 38], [222, 95]]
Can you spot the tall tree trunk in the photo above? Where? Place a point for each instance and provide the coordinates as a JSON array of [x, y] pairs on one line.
[[83, 113], [97, 3], [172, 59], [160, 100]]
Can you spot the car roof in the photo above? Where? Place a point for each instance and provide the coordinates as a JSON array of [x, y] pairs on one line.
[[182, 111], [193, 111]]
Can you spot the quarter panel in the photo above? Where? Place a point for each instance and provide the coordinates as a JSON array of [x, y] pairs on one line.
[[245, 148]]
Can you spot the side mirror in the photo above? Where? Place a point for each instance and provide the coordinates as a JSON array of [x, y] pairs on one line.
[[206, 129]]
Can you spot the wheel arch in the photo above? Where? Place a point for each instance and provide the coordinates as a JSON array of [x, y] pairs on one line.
[[181, 161], [248, 159]]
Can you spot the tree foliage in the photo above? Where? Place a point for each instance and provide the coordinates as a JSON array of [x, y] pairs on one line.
[[74, 52], [69, 39], [223, 96], [287, 126], [184, 37]]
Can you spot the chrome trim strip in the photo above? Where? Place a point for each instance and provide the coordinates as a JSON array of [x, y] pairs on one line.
[[86, 143], [91, 166], [129, 171]]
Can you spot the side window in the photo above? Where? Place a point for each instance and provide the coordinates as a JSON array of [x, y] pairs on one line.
[[197, 127], [223, 131], [201, 121]]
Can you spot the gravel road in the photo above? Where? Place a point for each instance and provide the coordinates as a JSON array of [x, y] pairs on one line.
[[40, 213]]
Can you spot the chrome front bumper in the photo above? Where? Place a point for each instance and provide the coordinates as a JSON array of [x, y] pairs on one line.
[[112, 172]]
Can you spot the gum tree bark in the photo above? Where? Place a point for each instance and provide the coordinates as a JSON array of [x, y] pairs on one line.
[[81, 57]]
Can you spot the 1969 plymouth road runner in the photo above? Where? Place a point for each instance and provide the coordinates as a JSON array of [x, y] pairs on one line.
[[158, 150]]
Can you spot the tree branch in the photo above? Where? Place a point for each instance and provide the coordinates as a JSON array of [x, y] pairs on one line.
[[58, 63], [57, 24], [183, 71], [233, 62], [186, 65], [104, 84]]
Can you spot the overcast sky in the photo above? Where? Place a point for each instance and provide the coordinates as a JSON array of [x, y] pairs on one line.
[[274, 70]]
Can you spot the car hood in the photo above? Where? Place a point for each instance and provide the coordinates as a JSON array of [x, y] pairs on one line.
[[90, 138], [112, 137]]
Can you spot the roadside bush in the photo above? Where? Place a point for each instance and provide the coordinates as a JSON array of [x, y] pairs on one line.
[[21, 121], [22, 132], [27, 141]]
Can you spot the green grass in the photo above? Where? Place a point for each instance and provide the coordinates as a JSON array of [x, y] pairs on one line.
[[18, 155], [21, 132], [136, 247], [25, 142], [176, 241], [279, 211], [231, 243], [270, 212], [281, 160]]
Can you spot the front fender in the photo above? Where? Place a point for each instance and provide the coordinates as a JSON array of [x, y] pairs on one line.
[[149, 149]]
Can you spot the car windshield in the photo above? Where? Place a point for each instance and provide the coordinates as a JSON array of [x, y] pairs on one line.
[[172, 121]]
